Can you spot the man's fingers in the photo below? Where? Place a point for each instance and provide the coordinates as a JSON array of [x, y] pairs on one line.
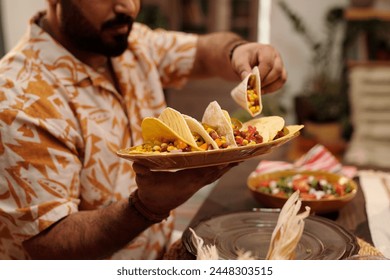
[[140, 169], [275, 84]]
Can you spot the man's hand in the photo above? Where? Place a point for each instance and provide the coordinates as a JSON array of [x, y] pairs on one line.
[[219, 55], [272, 72], [161, 192]]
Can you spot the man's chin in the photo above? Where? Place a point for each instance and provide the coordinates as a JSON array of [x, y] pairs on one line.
[[116, 53], [117, 50], [116, 47]]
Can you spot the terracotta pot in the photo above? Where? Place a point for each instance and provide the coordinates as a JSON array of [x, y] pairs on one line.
[[326, 134]]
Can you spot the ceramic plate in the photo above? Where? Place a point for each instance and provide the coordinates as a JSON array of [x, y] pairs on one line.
[[322, 239], [172, 161]]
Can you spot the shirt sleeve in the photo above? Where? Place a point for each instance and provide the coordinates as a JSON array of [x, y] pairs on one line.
[[173, 52], [39, 166]]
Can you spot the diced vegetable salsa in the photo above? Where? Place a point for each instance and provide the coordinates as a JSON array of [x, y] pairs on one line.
[[164, 145], [252, 95], [310, 187], [246, 137], [220, 140]]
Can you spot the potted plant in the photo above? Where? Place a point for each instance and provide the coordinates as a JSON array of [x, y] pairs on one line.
[[322, 105]]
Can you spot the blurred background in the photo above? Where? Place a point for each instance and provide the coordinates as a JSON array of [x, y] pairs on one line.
[[337, 54]]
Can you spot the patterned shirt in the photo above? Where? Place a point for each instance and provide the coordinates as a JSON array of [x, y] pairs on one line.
[[61, 123]]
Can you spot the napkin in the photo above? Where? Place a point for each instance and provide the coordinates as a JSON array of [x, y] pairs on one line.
[[376, 188], [316, 159], [288, 230], [204, 251]]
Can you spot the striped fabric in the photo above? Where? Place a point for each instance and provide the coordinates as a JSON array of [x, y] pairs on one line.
[[318, 159]]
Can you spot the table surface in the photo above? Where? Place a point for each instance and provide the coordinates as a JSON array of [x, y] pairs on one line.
[[222, 201], [232, 195]]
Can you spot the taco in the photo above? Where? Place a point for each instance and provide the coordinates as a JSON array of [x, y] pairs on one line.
[[214, 118], [247, 94], [203, 134], [270, 128], [229, 130], [192, 131], [159, 137], [248, 135], [177, 123]]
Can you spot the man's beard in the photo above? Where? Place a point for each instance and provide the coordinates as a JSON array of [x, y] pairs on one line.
[[80, 32]]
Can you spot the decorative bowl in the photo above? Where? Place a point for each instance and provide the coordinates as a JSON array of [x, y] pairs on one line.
[[326, 204]]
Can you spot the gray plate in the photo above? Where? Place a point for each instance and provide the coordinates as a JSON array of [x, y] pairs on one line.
[[322, 239]]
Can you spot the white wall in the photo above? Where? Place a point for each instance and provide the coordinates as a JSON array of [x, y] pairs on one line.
[[293, 49], [16, 14]]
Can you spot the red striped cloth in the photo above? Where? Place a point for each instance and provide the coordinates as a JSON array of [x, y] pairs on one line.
[[318, 158]]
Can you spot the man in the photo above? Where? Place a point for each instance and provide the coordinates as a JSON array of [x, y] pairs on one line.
[[73, 92]]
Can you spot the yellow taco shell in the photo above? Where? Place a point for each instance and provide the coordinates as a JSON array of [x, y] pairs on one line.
[[175, 120], [154, 129]]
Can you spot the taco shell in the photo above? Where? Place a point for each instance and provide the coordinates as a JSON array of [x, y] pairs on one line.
[[175, 120], [154, 129], [195, 126], [268, 127], [247, 94], [215, 117], [292, 129]]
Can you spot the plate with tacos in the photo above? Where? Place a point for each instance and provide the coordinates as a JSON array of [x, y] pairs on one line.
[[176, 141]]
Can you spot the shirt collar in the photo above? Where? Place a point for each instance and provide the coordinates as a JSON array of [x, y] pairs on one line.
[[65, 66]]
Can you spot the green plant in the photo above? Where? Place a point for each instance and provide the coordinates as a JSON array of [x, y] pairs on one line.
[[323, 89]]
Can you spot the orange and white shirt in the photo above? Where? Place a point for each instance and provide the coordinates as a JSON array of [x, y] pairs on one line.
[[61, 123]]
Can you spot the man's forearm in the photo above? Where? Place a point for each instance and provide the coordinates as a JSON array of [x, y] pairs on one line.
[[213, 55], [88, 234]]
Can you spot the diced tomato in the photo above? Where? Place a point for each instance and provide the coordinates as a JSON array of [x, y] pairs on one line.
[[307, 195], [339, 189], [301, 185], [239, 140], [329, 196], [281, 194], [307, 185], [264, 183]]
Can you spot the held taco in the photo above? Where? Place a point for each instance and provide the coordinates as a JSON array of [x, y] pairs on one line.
[[247, 94]]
